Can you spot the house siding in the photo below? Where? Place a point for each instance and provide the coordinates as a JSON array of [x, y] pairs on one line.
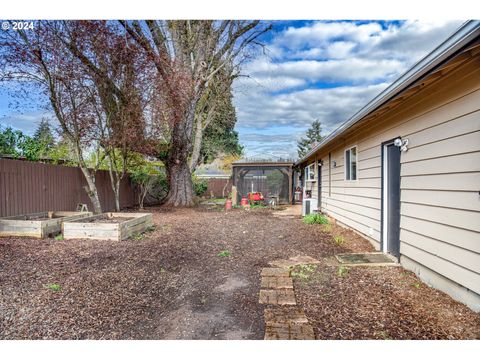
[[440, 181]]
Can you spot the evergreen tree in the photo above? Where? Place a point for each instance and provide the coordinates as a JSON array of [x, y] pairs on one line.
[[44, 137], [313, 135], [9, 140]]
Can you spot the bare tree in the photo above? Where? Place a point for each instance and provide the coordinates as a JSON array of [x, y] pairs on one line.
[[210, 106], [188, 55]]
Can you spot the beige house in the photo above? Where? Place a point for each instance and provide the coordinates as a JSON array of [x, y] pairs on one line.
[[405, 170]]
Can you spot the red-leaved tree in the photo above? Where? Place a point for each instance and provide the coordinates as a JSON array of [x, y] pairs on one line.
[[36, 60], [188, 55]]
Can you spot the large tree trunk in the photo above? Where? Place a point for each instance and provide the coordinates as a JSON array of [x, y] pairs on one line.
[[91, 190], [181, 187], [179, 176]]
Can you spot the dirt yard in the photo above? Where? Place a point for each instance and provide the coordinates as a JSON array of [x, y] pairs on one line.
[[196, 276]]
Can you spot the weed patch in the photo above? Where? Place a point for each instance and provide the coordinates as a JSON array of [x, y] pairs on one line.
[[53, 287], [339, 239], [59, 237], [327, 228], [315, 219], [342, 271], [151, 228], [224, 253], [385, 335], [303, 272], [138, 236]]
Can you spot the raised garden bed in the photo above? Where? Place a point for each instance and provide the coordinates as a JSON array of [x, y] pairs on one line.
[[107, 226], [38, 225]]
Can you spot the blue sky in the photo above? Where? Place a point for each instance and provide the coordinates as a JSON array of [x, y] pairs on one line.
[[308, 70], [323, 70]]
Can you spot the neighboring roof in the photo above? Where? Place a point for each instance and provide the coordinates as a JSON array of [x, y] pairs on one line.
[[460, 38], [264, 162], [210, 172]]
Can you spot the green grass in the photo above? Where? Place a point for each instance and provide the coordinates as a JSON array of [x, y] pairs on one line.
[[53, 287], [315, 219], [339, 239], [219, 201], [342, 271], [416, 285], [59, 237], [257, 206], [224, 253]]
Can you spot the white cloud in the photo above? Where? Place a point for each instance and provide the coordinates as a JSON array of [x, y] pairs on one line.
[[300, 108], [327, 71], [26, 122]]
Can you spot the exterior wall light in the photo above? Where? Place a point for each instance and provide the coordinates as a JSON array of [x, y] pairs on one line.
[[401, 143]]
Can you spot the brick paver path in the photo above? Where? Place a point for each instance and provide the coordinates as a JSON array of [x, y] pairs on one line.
[[286, 322]]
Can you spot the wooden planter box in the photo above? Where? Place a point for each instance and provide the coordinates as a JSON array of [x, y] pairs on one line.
[[38, 225], [92, 227]]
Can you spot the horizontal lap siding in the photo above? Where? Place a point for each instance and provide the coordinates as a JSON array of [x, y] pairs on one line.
[[440, 207], [355, 203], [440, 177]]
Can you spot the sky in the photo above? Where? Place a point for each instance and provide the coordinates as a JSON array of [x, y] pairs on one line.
[[307, 70], [324, 70]]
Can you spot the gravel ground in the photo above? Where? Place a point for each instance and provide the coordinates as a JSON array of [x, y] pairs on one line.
[[172, 284]]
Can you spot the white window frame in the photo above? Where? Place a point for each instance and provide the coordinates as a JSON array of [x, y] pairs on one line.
[[350, 164], [309, 170]]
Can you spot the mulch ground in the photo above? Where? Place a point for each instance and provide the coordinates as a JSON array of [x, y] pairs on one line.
[[172, 284]]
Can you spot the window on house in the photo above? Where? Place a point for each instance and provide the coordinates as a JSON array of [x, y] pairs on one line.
[[310, 172], [351, 164]]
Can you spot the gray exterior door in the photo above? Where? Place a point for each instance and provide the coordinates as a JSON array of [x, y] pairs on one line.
[[319, 182], [391, 199]]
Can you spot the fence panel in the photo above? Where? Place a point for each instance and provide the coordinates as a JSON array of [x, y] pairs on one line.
[[216, 187], [27, 187]]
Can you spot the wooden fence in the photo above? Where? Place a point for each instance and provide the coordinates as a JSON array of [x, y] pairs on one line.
[[216, 187], [28, 187]]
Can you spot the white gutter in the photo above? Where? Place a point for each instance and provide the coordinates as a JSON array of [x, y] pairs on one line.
[[466, 33]]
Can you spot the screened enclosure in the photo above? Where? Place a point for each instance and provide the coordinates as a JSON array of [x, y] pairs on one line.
[[273, 180]]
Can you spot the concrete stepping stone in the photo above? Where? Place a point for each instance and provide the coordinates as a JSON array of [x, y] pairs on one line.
[[289, 332], [294, 261], [285, 315], [276, 282], [277, 297], [366, 259], [275, 272]]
